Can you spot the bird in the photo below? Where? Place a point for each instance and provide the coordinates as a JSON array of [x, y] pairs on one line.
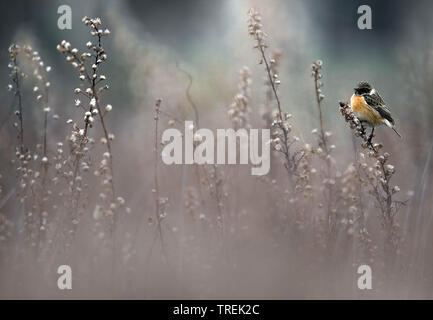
[[370, 108]]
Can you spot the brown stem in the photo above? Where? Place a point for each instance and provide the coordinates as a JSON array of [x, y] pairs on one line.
[[323, 143], [20, 105], [319, 106], [45, 123], [156, 182], [101, 117], [188, 95]]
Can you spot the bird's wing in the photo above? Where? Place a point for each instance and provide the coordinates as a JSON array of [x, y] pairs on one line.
[[374, 100]]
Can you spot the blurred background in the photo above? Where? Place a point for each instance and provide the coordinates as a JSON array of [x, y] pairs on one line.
[[208, 39], [152, 43]]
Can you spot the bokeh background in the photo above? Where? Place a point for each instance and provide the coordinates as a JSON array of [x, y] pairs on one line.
[[208, 38], [151, 39]]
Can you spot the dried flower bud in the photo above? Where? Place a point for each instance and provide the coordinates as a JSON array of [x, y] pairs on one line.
[[390, 168]]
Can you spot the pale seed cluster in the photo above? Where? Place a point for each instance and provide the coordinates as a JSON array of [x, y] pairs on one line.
[[93, 84], [239, 110]]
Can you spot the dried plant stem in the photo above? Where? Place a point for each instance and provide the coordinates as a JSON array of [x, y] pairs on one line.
[[255, 30], [286, 144], [197, 122], [319, 100], [188, 95], [323, 143], [101, 117], [40, 73], [215, 174], [77, 160], [379, 179], [41, 232], [79, 138], [106, 135], [22, 154], [271, 80], [18, 94], [155, 178], [363, 234], [93, 94], [20, 108], [45, 129], [217, 182]]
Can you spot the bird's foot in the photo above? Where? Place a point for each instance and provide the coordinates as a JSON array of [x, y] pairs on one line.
[[370, 138]]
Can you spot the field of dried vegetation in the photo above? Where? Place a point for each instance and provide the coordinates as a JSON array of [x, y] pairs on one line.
[[85, 187]]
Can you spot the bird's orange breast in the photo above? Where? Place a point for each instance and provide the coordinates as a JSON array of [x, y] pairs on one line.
[[364, 111]]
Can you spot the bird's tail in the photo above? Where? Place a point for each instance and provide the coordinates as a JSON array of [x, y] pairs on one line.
[[396, 132], [391, 125]]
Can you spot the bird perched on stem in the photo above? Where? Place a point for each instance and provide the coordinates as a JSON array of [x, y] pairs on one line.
[[370, 108]]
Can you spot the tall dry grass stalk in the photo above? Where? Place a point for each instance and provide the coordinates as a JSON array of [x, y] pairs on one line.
[[329, 171], [93, 86], [378, 175], [296, 161], [32, 164], [159, 202]]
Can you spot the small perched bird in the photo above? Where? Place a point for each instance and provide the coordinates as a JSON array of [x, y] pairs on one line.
[[370, 108]]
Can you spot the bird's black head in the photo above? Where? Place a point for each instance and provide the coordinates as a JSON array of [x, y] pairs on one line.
[[363, 87]]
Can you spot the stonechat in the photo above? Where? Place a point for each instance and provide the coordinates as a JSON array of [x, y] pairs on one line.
[[370, 108]]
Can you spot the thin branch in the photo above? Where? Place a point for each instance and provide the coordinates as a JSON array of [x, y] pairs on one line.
[[188, 95]]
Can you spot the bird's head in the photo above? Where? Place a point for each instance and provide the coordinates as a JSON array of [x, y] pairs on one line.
[[362, 88]]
